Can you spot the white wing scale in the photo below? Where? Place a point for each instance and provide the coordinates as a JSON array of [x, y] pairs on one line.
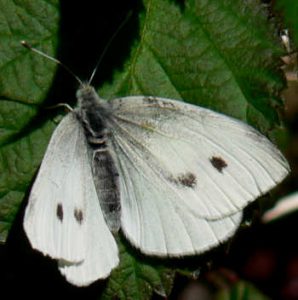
[[63, 218]]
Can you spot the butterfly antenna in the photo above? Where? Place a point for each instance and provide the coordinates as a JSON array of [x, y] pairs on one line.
[[108, 45], [28, 46]]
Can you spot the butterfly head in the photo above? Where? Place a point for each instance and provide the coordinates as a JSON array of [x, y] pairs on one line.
[[85, 89], [87, 96]]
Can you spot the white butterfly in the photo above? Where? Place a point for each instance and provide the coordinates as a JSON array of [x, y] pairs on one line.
[[173, 176]]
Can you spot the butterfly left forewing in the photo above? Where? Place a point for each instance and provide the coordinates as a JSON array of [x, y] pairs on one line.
[[63, 218], [52, 217]]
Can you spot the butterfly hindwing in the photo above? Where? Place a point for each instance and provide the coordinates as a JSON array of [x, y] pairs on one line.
[[156, 221], [101, 249]]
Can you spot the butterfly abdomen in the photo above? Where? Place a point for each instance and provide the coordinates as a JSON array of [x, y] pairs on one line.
[[106, 180]]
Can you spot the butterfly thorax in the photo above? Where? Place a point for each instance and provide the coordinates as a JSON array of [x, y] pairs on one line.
[[93, 113]]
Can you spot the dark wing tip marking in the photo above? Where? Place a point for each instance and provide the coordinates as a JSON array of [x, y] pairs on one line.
[[78, 214], [155, 102], [59, 212], [187, 180], [218, 163], [150, 100]]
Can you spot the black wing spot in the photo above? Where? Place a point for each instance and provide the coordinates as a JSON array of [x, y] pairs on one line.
[[187, 179], [218, 163], [78, 214], [59, 212]]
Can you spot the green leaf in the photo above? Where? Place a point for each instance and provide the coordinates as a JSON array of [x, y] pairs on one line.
[[137, 277], [219, 54], [241, 291], [24, 81], [289, 10]]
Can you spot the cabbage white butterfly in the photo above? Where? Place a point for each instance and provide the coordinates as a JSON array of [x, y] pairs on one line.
[[174, 177]]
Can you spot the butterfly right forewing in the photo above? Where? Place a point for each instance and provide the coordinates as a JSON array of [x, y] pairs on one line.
[[186, 173], [227, 163]]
